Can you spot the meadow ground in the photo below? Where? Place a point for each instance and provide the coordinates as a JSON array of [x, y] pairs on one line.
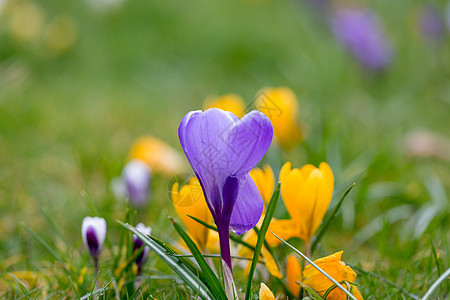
[[70, 111]]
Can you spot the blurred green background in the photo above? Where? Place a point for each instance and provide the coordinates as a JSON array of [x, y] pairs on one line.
[[81, 80]]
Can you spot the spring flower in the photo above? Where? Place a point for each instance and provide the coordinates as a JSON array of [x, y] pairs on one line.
[[265, 293], [306, 194], [136, 178], [93, 233], [431, 22], [159, 156], [281, 106], [222, 149], [333, 266], [294, 275], [190, 201], [229, 102], [265, 181], [137, 244], [358, 30]]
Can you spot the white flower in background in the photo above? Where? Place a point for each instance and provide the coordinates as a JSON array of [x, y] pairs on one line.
[[136, 178], [93, 232]]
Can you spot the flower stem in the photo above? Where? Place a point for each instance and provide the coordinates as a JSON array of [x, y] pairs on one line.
[[96, 265], [224, 239]]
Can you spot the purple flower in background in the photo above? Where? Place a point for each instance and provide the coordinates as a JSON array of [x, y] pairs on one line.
[[137, 244], [222, 149], [431, 22], [93, 233], [136, 177], [359, 31]]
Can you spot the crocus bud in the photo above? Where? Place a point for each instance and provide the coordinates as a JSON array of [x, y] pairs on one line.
[[142, 258], [136, 177], [93, 232]]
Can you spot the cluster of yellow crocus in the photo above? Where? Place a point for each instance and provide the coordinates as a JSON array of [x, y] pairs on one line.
[[27, 24], [332, 265], [306, 193], [279, 104], [159, 156]]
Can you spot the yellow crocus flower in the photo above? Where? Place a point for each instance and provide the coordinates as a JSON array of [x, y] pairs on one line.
[[251, 238], [191, 201], [229, 102], [294, 275], [333, 266], [281, 106], [306, 194], [265, 293], [265, 181], [159, 156]]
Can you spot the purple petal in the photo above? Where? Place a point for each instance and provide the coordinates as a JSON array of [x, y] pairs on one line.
[[247, 209], [248, 141], [92, 241]]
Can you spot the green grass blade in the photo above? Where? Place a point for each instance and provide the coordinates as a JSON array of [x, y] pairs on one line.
[[233, 237], [262, 234], [436, 284], [384, 279], [333, 214], [190, 278], [212, 281], [310, 291], [317, 267]]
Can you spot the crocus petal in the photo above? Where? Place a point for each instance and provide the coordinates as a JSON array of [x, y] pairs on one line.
[[136, 176], [265, 293], [137, 244], [294, 274], [247, 208], [285, 229], [290, 190], [265, 181], [324, 195], [334, 267], [307, 206], [285, 171], [248, 141]]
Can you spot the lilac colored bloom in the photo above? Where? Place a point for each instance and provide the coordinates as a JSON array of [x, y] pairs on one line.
[[222, 149], [93, 233], [137, 244], [360, 32], [136, 177], [431, 23]]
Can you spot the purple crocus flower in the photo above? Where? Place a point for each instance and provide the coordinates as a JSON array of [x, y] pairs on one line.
[[93, 233], [431, 22], [136, 177], [360, 32], [137, 244], [222, 149]]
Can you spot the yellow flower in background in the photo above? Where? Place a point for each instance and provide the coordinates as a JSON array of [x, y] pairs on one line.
[[191, 201], [265, 293], [251, 238], [61, 34], [159, 156], [26, 20], [281, 106], [294, 275], [337, 269], [306, 193], [265, 181], [228, 102]]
